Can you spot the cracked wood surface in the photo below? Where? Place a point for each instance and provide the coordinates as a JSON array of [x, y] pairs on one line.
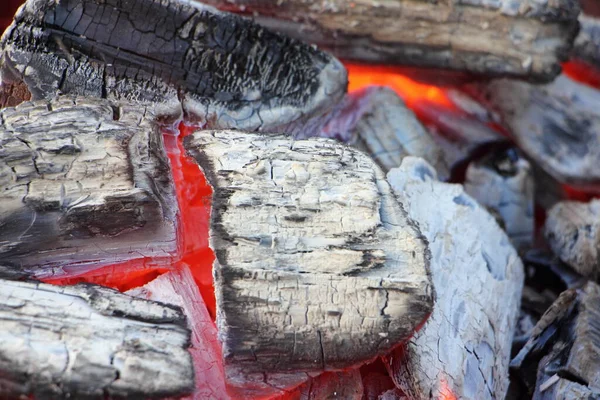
[[520, 38], [86, 341], [221, 69], [464, 347], [317, 266], [503, 183], [573, 232], [557, 125], [83, 182], [565, 343]]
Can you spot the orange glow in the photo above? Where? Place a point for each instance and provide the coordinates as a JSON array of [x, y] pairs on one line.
[[412, 92], [582, 73], [445, 391]]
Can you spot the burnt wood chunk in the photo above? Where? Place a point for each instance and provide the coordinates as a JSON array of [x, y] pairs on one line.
[[317, 266], [587, 44], [463, 349], [557, 125], [565, 344], [89, 342], [502, 182], [83, 182], [573, 232], [223, 70], [376, 121], [518, 38]]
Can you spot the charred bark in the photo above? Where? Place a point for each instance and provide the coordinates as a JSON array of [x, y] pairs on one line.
[[526, 39], [463, 349], [83, 182], [557, 125], [317, 266], [565, 344], [573, 232], [89, 342], [222, 69], [503, 182], [587, 44]]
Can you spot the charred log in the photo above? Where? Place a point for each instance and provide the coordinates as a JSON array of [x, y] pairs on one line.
[[587, 44], [83, 182], [280, 209], [463, 349], [573, 232], [526, 39], [89, 342], [562, 357], [223, 70], [557, 125], [503, 182]]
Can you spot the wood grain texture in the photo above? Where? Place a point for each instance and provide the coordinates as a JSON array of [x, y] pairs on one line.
[[503, 183], [221, 69], [84, 182], [317, 266], [526, 38], [557, 125], [464, 347], [573, 232], [89, 342]]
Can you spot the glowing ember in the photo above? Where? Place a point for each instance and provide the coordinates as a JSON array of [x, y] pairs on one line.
[[583, 73]]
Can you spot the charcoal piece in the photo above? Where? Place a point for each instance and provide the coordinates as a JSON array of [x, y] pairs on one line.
[[86, 341], [345, 385], [83, 182], [223, 70], [587, 44], [565, 343], [573, 232], [503, 181], [377, 121], [463, 349], [526, 38], [557, 125], [317, 266]]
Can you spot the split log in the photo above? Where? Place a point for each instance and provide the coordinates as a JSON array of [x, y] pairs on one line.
[[463, 349], [317, 266], [221, 69], [526, 39], [565, 343], [557, 125], [89, 342], [587, 44], [502, 181], [83, 182], [573, 232], [377, 121]]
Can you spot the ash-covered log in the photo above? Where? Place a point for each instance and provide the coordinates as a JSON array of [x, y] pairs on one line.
[[463, 349], [86, 341], [83, 182], [587, 44], [562, 357], [557, 125], [527, 38], [573, 232], [223, 70], [317, 266], [502, 181], [377, 121]]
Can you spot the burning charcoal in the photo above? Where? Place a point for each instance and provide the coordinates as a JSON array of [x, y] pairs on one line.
[[463, 349], [89, 342], [557, 125], [178, 288], [317, 266], [573, 232], [587, 45], [526, 38], [503, 182], [565, 344], [345, 385], [83, 182], [393, 394], [377, 121], [223, 70]]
